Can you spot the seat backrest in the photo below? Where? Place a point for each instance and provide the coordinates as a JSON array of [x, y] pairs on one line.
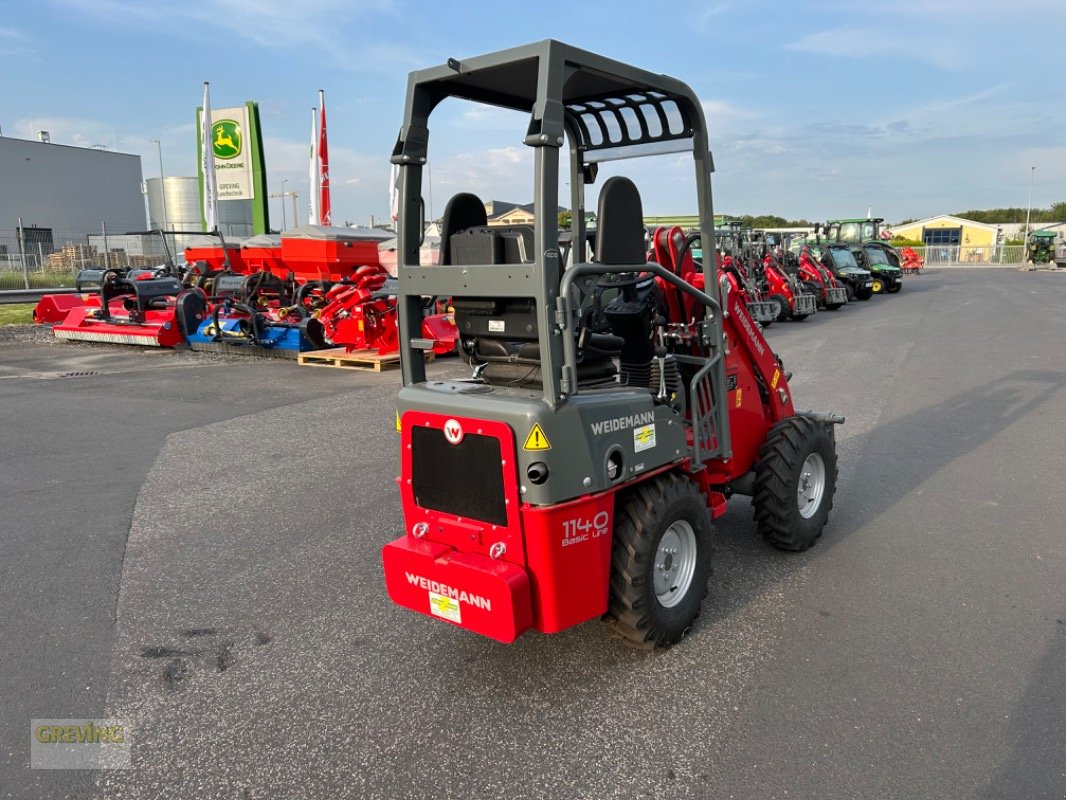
[[620, 223], [490, 244], [464, 210]]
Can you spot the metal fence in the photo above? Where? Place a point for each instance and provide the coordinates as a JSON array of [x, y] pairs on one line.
[[993, 256], [33, 258]]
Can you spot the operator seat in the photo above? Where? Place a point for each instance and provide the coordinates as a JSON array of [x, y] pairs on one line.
[[464, 210], [503, 333], [620, 223]]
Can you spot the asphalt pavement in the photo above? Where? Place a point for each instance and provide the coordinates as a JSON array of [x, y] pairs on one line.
[[194, 549]]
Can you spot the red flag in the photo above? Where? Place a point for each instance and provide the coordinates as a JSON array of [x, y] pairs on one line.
[[324, 211]]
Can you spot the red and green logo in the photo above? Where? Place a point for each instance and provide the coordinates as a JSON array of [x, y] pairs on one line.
[[226, 139]]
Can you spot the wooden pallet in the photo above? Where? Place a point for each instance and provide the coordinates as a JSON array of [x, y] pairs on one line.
[[339, 358]]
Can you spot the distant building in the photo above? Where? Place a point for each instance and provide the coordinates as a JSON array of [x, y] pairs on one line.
[[519, 215], [1014, 230], [974, 239], [500, 212], [63, 194]]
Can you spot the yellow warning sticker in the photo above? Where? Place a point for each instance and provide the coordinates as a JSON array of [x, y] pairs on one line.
[[740, 396], [445, 607], [399, 425], [536, 439], [643, 438], [777, 377]]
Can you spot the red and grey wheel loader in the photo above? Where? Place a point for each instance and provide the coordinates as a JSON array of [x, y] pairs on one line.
[[576, 473]]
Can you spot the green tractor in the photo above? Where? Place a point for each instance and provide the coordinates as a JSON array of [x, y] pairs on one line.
[[1040, 247], [867, 240]]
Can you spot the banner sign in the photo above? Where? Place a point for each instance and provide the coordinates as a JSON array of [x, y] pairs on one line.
[[231, 145]]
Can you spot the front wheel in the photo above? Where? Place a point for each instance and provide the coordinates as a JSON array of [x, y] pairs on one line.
[[879, 286], [660, 561], [795, 479], [895, 289], [782, 310]]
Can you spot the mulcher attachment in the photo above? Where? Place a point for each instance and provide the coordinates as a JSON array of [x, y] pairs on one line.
[[140, 312]]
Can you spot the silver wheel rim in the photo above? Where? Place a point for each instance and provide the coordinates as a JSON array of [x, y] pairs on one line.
[[811, 485], [675, 564]]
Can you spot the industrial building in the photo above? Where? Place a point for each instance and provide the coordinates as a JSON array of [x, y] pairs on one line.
[[62, 194]]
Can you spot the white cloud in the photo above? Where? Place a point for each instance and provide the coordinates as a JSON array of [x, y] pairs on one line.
[[504, 173], [706, 16], [358, 182], [267, 23], [853, 42]]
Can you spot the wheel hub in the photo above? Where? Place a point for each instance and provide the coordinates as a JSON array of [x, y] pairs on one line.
[[811, 485], [675, 563]]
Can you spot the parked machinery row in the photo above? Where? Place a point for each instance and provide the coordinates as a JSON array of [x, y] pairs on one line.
[[310, 288], [783, 277]]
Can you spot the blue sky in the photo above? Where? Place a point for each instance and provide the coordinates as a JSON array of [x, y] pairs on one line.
[[815, 109]]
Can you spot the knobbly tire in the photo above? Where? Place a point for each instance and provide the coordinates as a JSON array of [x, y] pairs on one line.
[[795, 479], [784, 311], [895, 289], [660, 562]]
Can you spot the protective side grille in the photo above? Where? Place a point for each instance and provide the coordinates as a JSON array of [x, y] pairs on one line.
[[705, 438], [464, 479]]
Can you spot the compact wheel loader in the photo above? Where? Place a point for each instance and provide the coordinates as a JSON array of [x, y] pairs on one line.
[[614, 406]]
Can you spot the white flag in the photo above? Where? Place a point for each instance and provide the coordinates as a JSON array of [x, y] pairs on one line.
[[207, 158], [394, 192], [312, 216]]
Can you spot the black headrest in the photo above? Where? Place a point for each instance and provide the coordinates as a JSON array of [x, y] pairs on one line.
[[620, 223], [464, 210]]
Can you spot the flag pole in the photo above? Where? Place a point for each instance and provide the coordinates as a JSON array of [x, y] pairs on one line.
[[207, 157], [313, 175], [325, 211]]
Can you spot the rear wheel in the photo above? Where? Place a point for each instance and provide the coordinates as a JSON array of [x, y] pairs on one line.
[[660, 561], [795, 480]]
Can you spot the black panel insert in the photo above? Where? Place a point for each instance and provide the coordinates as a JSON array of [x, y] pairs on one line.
[[464, 479]]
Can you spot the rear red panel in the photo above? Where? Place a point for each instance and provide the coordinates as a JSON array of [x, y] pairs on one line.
[[519, 566], [568, 552], [480, 594]]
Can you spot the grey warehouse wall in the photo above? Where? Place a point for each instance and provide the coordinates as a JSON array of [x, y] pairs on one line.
[[69, 189]]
